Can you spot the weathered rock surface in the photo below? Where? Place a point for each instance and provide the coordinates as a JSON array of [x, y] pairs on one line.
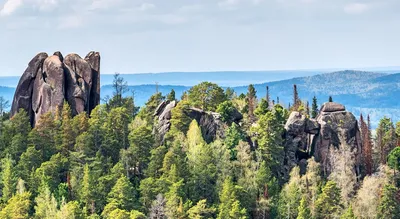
[[210, 122], [50, 80], [306, 137]]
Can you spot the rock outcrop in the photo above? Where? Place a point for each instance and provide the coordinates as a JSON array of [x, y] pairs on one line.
[[305, 138], [210, 122], [50, 80]]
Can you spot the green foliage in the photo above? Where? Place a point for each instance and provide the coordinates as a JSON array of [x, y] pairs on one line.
[[226, 109], [171, 95], [349, 214], [303, 211], [394, 159], [389, 206], [201, 165], [314, 108], [230, 207], [328, 204], [232, 137], [122, 194], [262, 108], [201, 211], [17, 207], [8, 177], [206, 96]]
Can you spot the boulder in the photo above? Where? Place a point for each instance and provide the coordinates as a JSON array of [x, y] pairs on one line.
[[306, 138], [49, 81], [210, 122], [332, 107], [23, 93]]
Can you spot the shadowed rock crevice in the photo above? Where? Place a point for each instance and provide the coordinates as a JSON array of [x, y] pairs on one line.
[[48, 81]]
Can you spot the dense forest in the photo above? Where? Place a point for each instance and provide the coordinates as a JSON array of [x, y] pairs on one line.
[[114, 164]]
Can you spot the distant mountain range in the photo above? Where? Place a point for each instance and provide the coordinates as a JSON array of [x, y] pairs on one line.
[[371, 93]]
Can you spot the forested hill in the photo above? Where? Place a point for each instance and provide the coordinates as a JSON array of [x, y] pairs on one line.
[[206, 154]]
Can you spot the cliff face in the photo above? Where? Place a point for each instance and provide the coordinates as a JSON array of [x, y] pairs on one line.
[[332, 129], [48, 81]]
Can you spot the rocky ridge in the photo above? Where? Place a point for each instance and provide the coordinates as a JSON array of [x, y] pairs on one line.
[[48, 81]]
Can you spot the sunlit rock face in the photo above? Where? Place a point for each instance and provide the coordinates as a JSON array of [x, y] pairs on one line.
[[49, 81]]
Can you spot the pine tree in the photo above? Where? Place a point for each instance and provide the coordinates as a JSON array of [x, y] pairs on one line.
[[385, 139], [171, 95], [8, 177], [174, 205], [349, 214], [304, 210], [328, 204], [46, 204], [88, 189], [251, 101], [123, 194], [230, 207], [18, 206], [330, 99], [314, 108], [200, 210], [201, 165], [267, 96], [389, 206]]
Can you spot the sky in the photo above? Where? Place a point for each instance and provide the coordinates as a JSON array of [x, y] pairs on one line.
[[140, 36]]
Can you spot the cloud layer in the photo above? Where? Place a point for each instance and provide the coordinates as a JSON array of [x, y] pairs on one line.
[[159, 35]]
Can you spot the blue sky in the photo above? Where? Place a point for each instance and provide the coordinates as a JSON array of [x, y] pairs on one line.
[[203, 35]]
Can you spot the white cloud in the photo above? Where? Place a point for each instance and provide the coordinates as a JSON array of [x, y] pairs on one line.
[[356, 8], [146, 6], [10, 7]]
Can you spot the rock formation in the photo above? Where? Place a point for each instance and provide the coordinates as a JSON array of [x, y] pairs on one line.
[[306, 137], [210, 122], [48, 81]]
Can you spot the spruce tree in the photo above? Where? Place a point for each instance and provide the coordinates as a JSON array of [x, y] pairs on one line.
[[328, 204], [304, 210], [8, 176], [171, 95], [389, 206], [251, 99], [314, 108]]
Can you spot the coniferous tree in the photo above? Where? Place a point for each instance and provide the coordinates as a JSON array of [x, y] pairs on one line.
[[330, 99], [171, 95], [349, 214], [200, 210], [230, 207], [389, 206], [314, 108], [251, 99], [328, 204], [304, 210], [8, 177], [385, 139]]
